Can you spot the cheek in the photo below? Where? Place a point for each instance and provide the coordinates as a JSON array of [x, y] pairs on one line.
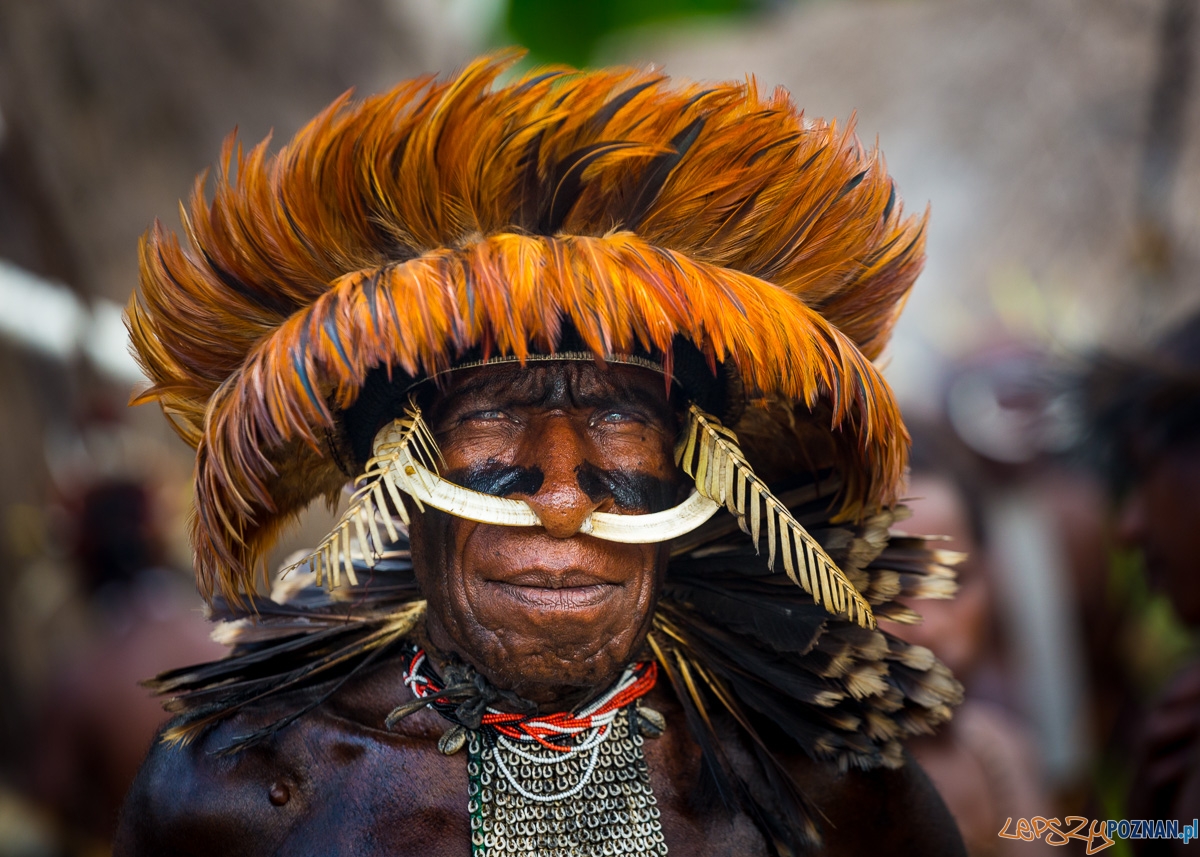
[[434, 538], [460, 450], [651, 453]]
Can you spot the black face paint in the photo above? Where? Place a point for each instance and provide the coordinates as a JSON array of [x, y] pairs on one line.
[[632, 491], [498, 480]]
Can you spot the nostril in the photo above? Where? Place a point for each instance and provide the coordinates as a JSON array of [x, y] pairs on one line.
[[592, 481], [563, 509], [562, 500]]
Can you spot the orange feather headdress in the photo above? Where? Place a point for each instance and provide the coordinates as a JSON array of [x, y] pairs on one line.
[[453, 217]]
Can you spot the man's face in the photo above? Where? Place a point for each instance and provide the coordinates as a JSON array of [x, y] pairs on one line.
[[546, 611]]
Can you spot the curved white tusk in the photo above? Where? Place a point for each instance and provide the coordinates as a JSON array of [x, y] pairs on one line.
[[657, 527], [429, 488], [432, 490]]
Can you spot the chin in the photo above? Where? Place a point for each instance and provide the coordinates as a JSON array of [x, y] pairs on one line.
[[545, 655]]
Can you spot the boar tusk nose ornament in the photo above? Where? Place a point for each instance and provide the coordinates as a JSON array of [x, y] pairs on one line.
[[411, 467], [657, 527], [429, 489], [406, 461]]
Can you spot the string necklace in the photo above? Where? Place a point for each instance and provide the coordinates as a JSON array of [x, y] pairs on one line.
[[567, 783]]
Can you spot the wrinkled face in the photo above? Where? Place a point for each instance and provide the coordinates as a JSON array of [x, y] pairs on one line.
[[545, 611]]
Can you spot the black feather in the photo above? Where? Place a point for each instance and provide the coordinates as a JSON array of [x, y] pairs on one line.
[[604, 115], [656, 173], [760, 615], [567, 182]]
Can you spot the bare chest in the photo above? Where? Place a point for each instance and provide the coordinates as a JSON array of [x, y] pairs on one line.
[[328, 786]]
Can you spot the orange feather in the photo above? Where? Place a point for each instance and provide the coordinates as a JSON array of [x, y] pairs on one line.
[[447, 215]]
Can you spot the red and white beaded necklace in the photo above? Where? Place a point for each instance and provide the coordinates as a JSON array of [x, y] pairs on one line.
[[546, 739]]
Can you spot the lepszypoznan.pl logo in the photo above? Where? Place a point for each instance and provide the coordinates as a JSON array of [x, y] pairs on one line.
[[1098, 834]]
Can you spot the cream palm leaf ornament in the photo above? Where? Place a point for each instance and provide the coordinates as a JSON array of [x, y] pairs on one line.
[[407, 439], [709, 453]]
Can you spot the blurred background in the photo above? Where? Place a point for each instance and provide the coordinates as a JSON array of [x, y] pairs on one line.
[[1057, 143]]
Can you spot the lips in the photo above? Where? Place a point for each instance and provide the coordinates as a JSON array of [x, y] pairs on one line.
[[544, 579], [541, 590], [521, 577]]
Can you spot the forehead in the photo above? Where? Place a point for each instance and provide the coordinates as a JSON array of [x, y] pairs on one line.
[[557, 384]]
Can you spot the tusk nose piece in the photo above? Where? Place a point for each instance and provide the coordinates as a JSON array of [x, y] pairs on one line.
[[432, 490], [406, 457]]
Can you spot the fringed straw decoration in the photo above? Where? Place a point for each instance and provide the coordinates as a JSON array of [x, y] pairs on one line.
[[709, 453], [405, 452]]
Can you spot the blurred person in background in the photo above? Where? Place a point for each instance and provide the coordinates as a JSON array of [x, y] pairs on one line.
[[1144, 420], [1044, 549], [95, 721], [984, 762]]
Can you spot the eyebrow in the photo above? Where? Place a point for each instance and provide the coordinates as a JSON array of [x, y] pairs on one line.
[[479, 382], [617, 392], [531, 391]]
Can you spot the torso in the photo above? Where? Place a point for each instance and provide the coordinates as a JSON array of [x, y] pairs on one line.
[[337, 782]]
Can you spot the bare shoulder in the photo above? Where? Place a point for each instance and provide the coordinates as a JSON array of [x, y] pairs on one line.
[[334, 781], [893, 812], [881, 811], [191, 800]]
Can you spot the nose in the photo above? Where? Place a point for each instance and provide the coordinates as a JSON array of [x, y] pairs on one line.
[[558, 445]]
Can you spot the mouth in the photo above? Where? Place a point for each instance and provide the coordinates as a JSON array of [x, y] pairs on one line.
[[546, 591]]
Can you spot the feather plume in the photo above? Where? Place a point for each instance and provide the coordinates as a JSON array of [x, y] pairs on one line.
[[445, 216]]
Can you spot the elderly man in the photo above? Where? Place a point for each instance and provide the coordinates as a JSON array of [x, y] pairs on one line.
[[585, 344]]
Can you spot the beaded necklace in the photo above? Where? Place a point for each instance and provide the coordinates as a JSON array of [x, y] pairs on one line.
[[568, 783]]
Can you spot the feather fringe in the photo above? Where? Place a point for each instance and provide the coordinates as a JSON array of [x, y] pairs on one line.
[[449, 215], [386, 476], [213, 695]]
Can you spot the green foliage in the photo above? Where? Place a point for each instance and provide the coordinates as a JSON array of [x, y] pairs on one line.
[[569, 30], [1156, 642]]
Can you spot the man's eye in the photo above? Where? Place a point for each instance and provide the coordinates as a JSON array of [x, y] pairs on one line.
[[617, 417], [487, 416]]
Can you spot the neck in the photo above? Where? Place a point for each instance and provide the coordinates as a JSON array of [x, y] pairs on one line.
[[515, 697], [506, 689]]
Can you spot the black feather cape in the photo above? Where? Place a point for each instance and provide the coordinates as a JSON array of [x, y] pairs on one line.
[[739, 644]]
